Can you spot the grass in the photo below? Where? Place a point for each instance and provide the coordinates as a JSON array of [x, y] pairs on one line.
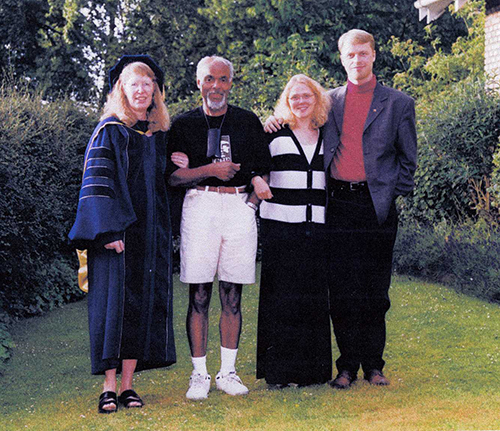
[[442, 358]]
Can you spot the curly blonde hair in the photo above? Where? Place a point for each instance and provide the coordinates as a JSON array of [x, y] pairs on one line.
[[321, 109], [118, 106]]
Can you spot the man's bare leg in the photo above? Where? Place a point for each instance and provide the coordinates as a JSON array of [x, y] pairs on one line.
[[197, 331], [230, 318], [197, 318], [230, 329]]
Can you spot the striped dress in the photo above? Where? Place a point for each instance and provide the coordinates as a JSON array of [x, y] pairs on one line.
[[293, 344]]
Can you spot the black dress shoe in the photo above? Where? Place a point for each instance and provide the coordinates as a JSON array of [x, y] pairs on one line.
[[377, 378], [343, 380]]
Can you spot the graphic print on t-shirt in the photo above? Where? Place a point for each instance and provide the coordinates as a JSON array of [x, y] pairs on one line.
[[225, 150]]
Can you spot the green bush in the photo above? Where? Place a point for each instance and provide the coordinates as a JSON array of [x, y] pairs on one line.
[[464, 256], [42, 149], [419, 251], [6, 343], [458, 134], [494, 188], [474, 252]]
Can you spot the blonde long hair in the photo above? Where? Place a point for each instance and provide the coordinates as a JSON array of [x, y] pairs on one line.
[[118, 106], [321, 108]]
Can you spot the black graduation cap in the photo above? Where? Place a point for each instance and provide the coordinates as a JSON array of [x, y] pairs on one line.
[[116, 70]]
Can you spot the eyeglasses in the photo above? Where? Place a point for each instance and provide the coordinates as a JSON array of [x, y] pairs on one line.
[[298, 98]]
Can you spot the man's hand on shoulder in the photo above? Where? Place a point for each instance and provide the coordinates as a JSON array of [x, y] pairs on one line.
[[273, 124]]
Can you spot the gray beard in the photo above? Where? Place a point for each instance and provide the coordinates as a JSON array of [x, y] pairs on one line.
[[217, 106]]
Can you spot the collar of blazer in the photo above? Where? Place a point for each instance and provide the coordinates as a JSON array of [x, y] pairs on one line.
[[380, 96]]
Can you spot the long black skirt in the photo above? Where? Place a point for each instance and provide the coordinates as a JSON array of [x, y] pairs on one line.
[[293, 336]]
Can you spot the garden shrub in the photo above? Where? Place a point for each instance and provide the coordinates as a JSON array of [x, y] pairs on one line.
[[449, 227], [463, 256], [495, 179], [6, 343], [458, 134], [419, 251], [474, 252], [42, 148]]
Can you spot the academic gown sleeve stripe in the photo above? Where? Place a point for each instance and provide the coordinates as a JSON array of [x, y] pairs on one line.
[[105, 205]]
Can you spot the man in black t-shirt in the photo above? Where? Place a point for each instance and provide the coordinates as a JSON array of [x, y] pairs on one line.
[[227, 151]]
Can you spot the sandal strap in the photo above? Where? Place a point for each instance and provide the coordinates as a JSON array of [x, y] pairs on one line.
[[107, 398], [130, 396]]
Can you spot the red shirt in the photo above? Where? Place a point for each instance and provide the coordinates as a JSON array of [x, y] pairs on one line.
[[348, 163]]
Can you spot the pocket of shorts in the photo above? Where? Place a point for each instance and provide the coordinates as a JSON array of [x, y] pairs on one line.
[[243, 200], [189, 197]]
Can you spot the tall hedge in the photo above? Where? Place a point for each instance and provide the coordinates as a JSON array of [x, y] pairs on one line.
[[457, 136], [450, 227], [40, 170]]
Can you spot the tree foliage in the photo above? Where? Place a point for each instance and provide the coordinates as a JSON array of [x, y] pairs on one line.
[[458, 123], [34, 47], [430, 68], [67, 45], [273, 40]]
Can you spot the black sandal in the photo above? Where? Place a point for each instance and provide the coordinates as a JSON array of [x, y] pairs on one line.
[[107, 398], [130, 396]]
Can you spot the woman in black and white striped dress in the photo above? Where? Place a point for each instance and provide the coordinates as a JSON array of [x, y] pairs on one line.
[[294, 341]]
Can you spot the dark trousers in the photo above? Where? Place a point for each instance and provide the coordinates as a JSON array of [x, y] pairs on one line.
[[360, 265]]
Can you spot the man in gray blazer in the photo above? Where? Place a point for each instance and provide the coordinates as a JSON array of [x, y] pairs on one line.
[[370, 152]]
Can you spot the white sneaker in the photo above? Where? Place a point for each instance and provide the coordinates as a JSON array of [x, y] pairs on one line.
[[199, 385], [230, 383]]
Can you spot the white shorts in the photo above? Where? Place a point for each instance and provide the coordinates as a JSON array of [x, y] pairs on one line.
[[218, 235]]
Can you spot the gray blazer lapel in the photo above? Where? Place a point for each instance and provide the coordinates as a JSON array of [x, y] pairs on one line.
[[378, 104], [338, 106], [333, 127]]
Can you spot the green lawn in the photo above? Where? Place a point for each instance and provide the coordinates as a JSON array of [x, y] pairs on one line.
[[442, 358]]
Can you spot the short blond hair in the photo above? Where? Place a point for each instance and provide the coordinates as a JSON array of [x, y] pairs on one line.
[[356, 37], [321, 108], [118, 106]]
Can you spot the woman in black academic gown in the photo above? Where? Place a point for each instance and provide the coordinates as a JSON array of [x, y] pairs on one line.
[[123, 220]]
